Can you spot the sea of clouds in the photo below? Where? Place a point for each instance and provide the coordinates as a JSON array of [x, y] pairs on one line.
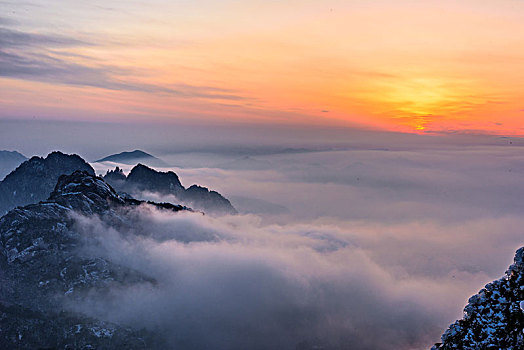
[[234, 283], [367, 248]]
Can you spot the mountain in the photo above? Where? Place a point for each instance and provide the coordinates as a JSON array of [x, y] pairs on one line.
[[493, 318], [142, 178], [43, 269], [134, 157], [9, 160], [202, 198], [35, 178]]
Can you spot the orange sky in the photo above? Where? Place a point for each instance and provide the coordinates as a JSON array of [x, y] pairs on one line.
[[432, 66]]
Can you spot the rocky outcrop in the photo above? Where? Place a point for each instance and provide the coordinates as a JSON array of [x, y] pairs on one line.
[[115, 175], [202, 198], [493, 318], [42, 269], [142, 178]]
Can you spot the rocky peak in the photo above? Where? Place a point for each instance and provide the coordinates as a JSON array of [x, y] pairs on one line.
[[73, 190], [518, 263], [115, 175], [35, 178], [145, 178], [55, 162], [82, 182], [198, 189], [201, 197]]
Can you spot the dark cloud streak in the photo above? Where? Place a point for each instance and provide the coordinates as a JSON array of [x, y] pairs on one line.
[[45, 58], [10, 38]]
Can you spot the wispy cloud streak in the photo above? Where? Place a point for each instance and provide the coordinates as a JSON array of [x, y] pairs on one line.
[[47, 58]]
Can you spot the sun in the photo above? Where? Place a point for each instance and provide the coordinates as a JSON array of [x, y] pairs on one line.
[[415, 102], [420, 96]]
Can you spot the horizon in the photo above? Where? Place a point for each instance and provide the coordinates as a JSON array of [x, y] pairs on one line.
[[97, 139]]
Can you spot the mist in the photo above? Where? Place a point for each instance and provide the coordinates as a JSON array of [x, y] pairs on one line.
[[234, 283]]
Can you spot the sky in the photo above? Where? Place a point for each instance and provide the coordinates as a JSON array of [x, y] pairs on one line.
[[409, 66]]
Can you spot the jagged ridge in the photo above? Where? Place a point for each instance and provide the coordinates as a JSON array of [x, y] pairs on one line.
[[142, 178]]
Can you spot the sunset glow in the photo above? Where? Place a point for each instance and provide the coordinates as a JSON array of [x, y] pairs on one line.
[[426, 66]]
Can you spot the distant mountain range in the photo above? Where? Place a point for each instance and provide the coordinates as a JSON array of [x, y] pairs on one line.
[[9, 160], [35, 178], [133, 158]]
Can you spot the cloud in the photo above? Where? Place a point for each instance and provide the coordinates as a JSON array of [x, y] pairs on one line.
[[10, 38], [236, 282], [444, 183], [7, 21], [47, 58]]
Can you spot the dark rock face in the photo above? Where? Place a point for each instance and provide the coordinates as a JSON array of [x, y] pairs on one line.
[[42, 269], [27, 329], [494, 318], [115, 175], [35, 178], [142, 178], [9, 160], [202, 197]]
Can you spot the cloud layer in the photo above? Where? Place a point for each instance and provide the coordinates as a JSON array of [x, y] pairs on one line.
[[234, 284], [392, 241]]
